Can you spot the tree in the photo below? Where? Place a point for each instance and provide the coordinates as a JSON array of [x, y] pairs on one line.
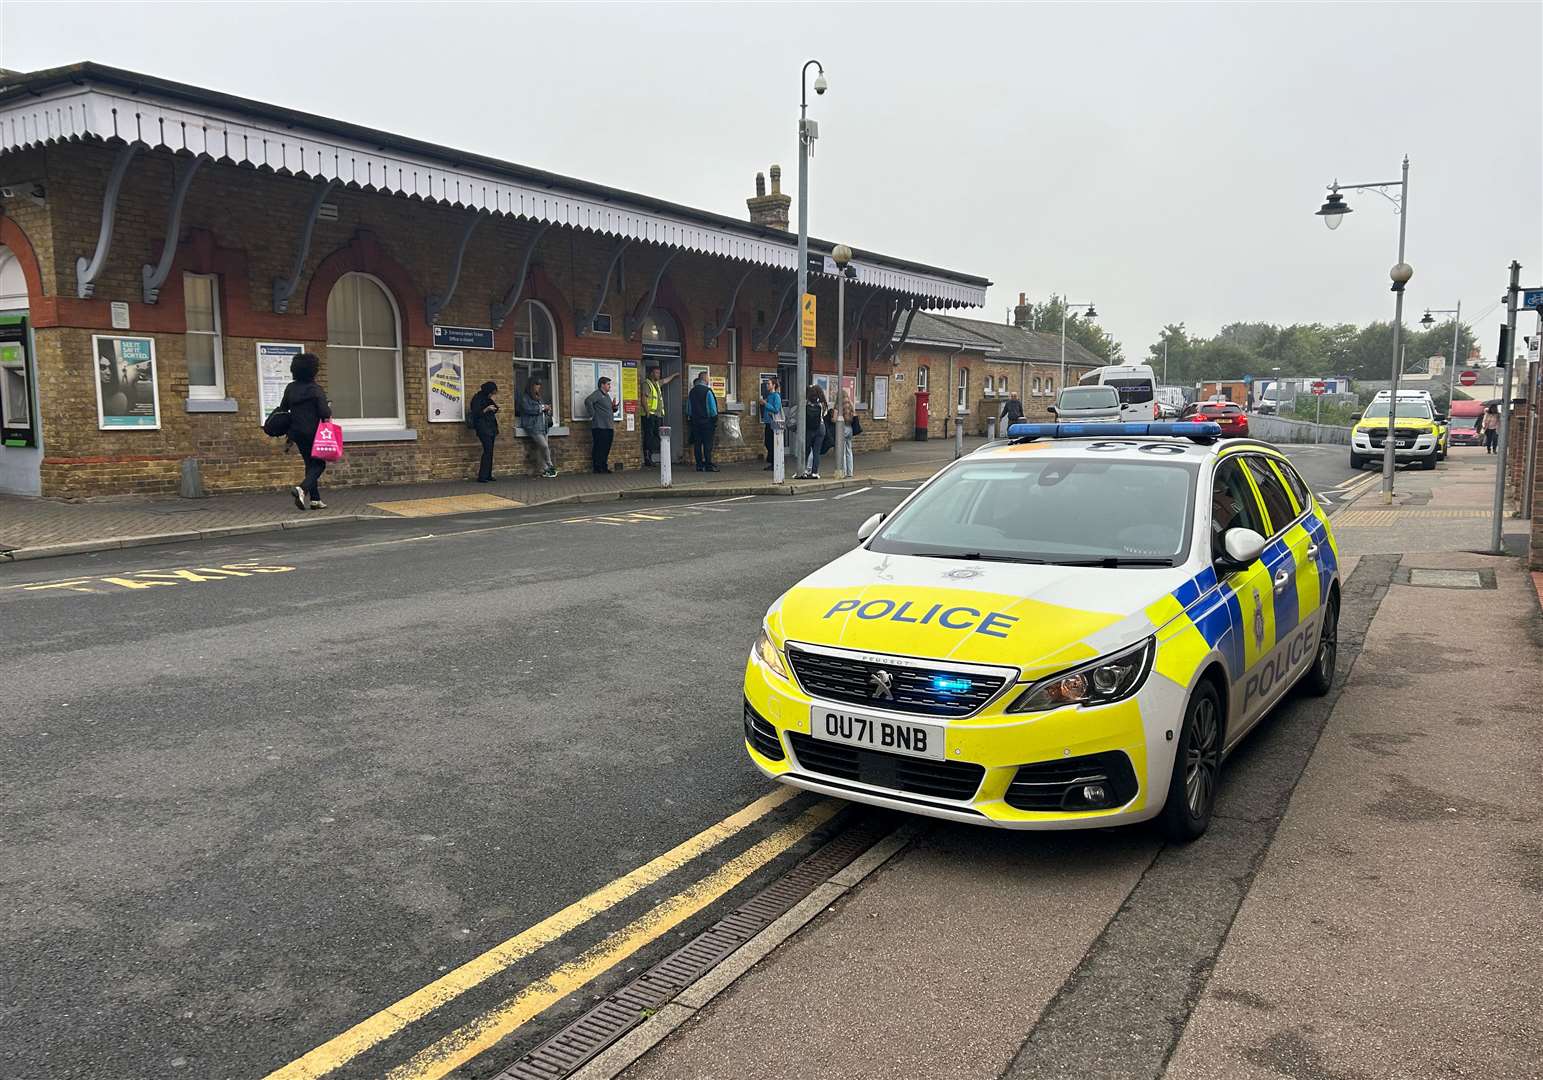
[[1046, 318]]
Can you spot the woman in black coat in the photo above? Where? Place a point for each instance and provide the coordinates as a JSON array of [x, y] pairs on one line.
[[308, 407], [484, 421]]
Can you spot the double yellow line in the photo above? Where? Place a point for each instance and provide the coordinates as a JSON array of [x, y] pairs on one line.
[[482, 1033]]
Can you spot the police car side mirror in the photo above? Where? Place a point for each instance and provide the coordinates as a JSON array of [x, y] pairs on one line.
[[1241, 546], [1356, 417], [867, 528]]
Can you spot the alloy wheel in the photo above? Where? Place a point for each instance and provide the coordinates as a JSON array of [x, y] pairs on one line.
[[1328, 644], [1203, 758]]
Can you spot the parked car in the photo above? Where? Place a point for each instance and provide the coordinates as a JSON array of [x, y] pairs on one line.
[[1232, 419], [1078, 404]]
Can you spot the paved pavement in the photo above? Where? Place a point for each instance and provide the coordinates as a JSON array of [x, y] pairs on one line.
[[29, 524], [1365, 906]]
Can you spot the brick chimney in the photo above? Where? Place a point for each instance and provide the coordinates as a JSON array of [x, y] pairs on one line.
[[770, 210], [1023, 313]]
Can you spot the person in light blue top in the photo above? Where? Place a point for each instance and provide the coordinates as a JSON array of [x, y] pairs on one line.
[[702, 419], [771, 415]]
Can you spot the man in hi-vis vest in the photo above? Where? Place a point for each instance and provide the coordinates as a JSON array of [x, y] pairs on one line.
[[653, 412]]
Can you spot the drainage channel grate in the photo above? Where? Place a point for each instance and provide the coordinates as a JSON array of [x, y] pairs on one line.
[[626, 1008]]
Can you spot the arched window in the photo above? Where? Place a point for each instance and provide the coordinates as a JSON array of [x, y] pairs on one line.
[[660, 328], [989, 385], [13, 283], [921, 377], [363, 376], [535, 353], [1035, 385]]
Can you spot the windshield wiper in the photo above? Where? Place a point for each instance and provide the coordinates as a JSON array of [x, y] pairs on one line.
[[1112, 562], [976, 556]]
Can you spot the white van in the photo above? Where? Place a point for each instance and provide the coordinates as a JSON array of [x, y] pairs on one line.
[[1136, 385]]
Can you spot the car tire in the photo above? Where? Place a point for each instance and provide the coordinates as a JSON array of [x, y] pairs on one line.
[[1320, 677], [1430, 462], [1197, 763], [1357, 462]]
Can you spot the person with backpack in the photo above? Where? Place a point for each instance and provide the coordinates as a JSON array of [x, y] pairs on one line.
[[482, 415], [702, 419], [306, 405], [816, 405], [536, 418]]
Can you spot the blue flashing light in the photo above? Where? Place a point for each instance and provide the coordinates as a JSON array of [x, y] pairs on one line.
[[1083, 431], [943, 684]]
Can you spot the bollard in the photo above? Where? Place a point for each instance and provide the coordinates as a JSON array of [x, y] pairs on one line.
[[664, 457], [958, 439], [192, 485], [991, 427], [779, 466]]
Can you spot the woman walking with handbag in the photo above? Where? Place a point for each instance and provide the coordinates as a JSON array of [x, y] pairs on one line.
[[307, 406]]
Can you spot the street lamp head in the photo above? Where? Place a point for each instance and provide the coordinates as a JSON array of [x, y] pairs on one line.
[[1090, 313], [842, 254], [820, 85], [1401, 273], [1427, 321], [1333, 210]]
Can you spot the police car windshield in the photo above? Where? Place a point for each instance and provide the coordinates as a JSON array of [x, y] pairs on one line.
[[1046, 509], [1407, 410]]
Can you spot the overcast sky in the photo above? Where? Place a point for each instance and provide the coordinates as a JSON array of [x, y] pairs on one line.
[[1162, 160]]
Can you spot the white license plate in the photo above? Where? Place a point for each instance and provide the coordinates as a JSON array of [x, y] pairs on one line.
[[832, 724]]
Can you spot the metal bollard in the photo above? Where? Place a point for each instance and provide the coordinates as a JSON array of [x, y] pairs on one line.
[[991, 427], [958, 438], [779, 466], [664, 457]]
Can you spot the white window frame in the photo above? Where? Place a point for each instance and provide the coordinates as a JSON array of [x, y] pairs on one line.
[[1050, 386], [376, 423], [962, 391], [922, 376], [554, 376], [217, 391], [1035, 385], [731, 387], [990, 387]]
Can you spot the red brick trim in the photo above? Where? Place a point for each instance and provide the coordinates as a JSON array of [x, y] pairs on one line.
[[364, 254], [14, 237]]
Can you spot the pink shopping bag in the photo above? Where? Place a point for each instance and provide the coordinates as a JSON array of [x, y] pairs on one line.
[[329, 442]]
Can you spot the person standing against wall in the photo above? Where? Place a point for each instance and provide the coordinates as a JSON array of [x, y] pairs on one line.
[[771, 416], [535, 417], [702, 416], [484, 421], [653, 412], [307, 405], [601, 410]]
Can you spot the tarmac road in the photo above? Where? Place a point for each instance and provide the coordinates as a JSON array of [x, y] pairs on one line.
[[258, 792]]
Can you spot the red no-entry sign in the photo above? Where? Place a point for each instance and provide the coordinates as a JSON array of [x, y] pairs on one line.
[[1468, 378], [1320, 388]]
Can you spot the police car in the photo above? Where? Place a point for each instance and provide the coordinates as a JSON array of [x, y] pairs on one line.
[[1419, 433], [1069, 630]]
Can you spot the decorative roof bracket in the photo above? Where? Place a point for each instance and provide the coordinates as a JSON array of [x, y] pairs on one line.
[[437, 302], [584, 320], [87, 270], [857, 320], [155, 276], [631, 324], [760, 337], [284, 288], [895, 343], [498, 312], [711, 334]]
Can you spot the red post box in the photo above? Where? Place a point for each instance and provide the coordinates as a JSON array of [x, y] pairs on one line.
[[922, 416]]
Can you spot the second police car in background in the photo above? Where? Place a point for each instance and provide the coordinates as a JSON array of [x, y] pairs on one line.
[[1071, 630]]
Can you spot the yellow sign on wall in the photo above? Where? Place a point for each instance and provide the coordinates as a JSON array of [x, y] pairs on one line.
[[809, 320]]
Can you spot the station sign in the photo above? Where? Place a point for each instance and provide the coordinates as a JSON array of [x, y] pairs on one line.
[[462, 337], [1532, 298], [808, 316]]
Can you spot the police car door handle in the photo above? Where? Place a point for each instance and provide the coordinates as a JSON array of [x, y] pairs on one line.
[[1312, 551], [1282, 578]]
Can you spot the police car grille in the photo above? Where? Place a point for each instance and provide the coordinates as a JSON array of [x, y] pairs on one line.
[[914, 690], [916, 776], [761, 735], [1047, 785]]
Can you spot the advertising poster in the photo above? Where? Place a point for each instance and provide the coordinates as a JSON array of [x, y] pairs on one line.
[[828, 384], [880, 397], [127, 393], [447, 386], [273, 374]]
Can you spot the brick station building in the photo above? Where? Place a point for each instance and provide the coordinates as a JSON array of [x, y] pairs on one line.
[[165, 248]]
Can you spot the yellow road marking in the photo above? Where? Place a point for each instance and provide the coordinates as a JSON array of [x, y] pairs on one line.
[[149, 579], [446, 504], [466, 1042], [356, 1040]]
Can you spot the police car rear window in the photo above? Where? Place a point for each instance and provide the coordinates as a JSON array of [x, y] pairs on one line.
[[1130, 508]]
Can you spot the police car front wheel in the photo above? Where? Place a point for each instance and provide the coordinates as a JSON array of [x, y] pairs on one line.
[[1197, 765]]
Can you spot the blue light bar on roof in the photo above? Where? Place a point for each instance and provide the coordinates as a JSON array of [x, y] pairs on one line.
[[1083, 431]]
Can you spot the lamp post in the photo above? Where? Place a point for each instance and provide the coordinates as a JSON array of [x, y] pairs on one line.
[[1333, 212], [1090, 314], [806, 137], [843, 257], [1457, 322]]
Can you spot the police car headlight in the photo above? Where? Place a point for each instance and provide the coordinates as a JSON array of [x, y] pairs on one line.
[[1108, 679], [767, 653]]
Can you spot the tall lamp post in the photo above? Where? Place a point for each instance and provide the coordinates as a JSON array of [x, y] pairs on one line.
[[807, 133], [1089, 314], [844, 269], [1333, 211], [1457, 323]]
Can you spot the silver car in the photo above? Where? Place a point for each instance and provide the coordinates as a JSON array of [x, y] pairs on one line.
[[1078, 404]]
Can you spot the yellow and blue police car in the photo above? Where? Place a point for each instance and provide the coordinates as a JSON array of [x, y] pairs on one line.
[[1069, 630]]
